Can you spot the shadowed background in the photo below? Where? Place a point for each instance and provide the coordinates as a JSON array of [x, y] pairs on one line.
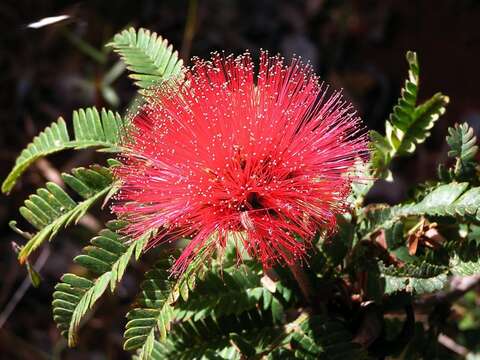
[[47, 72]]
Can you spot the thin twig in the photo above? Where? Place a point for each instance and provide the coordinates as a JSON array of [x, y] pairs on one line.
[[42, 259], [450, 344], [19, 348], [190, 27], [85, 47], [49, 172]]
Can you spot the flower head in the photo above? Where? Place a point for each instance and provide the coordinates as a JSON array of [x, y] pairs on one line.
[[259, 156]]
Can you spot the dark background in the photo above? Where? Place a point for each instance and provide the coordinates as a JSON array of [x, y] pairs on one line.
[[355, 45]]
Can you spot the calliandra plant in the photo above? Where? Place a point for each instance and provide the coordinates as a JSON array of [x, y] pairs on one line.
[[248, 187]]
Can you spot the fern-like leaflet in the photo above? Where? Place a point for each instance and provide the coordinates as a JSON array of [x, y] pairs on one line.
[[218, 294], [409, 124], [107, 258], [148, 56], [252, 335], [51, 208], [463, 147], [320, 338], [154, 311], [91, 129], [419, 278], [240, 336], [464, 268], [232, 291], [454, 200]]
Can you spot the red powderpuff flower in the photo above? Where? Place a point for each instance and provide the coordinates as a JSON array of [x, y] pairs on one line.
[[261, 157]]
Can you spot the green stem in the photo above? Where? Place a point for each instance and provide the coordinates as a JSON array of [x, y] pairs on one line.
[[86, 48], [190, 26]]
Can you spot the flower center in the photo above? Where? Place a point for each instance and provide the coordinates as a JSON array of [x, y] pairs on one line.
[[253, 201]]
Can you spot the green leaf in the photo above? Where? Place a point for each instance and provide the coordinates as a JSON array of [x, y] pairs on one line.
[[462, 141], [445, 200], [381, 154], [34, 276], [155, 311], [422, 121], [417, 278], [409, 124], [230, 291], [253, 335], [148, 56], [248, 335], [402, 117], [320, 338], [91, 129], [107, 256], [463, 146], [233, 347], [464, 268], [51, 208]]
